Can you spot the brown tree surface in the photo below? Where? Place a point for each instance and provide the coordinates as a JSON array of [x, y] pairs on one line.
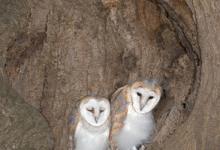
[[53, 52]]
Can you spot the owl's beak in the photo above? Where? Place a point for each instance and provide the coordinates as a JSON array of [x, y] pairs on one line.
[[96, 116], [143, 102], [141, 107], [96, 119]]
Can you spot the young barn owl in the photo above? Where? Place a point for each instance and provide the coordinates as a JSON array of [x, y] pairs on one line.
[[90, 125], [132, 118]]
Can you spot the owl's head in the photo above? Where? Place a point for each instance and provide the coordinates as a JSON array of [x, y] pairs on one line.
[[144, 96], [95, 111]]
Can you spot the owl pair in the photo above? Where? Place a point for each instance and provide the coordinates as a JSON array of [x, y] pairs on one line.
[[128, 124]]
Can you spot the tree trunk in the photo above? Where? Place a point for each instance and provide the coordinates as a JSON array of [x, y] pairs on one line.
[[55, 52], [201, 131]]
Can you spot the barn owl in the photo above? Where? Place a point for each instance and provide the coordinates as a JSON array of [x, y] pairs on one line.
[[132, 118], [90, 125]]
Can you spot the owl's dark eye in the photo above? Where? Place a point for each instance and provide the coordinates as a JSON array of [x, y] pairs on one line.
[[150, 97], [101, 110], [92, 110], [139, 94]]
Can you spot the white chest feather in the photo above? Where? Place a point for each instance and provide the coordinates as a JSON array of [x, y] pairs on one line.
[[137, 129], [89, 140]]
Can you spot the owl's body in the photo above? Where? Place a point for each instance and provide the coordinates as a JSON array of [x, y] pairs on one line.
[[91, 139], [132, 118], [90, 125], [137, 130]]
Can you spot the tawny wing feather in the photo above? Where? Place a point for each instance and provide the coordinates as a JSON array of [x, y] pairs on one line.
[[118, 112]]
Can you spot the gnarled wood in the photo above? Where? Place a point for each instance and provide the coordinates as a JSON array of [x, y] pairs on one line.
[[55, 52]]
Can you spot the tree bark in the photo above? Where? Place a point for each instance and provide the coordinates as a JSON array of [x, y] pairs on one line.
[[55, 52], [21, 126], [202, 129]]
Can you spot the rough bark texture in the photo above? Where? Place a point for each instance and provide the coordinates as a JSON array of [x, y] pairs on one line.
[[202, 130], [21, 127], [55, 52]]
